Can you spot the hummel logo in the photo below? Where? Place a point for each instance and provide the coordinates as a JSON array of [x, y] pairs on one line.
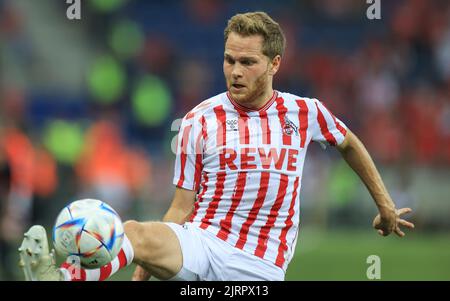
[[232, 125]]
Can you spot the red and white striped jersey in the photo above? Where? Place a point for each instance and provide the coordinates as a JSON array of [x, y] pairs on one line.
[[246, 166]]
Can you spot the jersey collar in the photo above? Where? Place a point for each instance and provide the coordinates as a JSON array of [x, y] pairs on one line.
[[245, 109]]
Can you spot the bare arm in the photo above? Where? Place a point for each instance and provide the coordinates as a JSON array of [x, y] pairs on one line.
[[179, 212], [181, 207], [358, 158]]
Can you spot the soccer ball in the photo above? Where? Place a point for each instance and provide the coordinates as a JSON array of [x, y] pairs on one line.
[[89, 229]]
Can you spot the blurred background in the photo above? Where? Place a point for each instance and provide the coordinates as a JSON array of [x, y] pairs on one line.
[[87, 110]]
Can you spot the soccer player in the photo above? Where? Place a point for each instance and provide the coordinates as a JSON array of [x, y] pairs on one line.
[[238, 173]]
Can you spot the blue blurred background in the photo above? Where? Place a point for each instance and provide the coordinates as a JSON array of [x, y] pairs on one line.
[[87, 109]]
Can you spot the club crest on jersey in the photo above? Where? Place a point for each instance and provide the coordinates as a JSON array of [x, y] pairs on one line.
[[232, 125], [289, 127]]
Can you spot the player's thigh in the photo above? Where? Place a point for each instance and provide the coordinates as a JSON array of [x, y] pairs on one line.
[[156, 247]]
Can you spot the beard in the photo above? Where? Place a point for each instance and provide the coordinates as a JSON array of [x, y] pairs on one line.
[[253, 92]]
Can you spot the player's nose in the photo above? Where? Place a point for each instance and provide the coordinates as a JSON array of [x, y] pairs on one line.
[[236, 72]]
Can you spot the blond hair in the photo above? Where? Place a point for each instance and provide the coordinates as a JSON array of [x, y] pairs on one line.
[[259, 23]]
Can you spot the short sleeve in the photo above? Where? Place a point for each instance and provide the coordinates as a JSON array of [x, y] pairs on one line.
[[326, 128], [189, 154]]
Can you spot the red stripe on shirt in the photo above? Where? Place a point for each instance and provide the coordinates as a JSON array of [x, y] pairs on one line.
[[264, 232], [190, 115], [221, 130], [262, 191], [225, 224], [265, 127], [282, 110], [200, 197], [303, 120], [204, 130], [183, 155], [199, 154], [338, 125], [211, 211], [198, 170], [202, 105], [244, 133], [324, 127], [283, 243]]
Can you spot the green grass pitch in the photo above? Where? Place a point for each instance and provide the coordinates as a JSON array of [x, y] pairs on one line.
[[342, 255]]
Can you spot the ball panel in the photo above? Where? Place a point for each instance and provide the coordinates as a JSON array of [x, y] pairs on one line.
[[90, 229], [118, 237], [117, 245], [85, 204], [65, 242], [88, 243], [108, 208], [97, 259], [63, 217]]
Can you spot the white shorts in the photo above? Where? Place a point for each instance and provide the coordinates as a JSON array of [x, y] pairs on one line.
[[207, 257]]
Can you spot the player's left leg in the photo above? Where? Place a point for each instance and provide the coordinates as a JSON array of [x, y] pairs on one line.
[[38, 263], [152, 245], [73, 271]]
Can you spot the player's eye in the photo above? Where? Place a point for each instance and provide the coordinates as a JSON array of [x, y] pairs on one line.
[[229, 60], [247, 62]]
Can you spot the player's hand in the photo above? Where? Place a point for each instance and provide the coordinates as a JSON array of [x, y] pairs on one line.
[[140, 274], [391, 222]]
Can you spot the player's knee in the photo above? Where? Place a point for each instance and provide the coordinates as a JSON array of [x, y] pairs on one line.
[[131, 229], [155, 247], [143, 239]]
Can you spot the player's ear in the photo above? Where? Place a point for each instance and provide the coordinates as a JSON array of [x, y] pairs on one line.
[[275, 65]]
